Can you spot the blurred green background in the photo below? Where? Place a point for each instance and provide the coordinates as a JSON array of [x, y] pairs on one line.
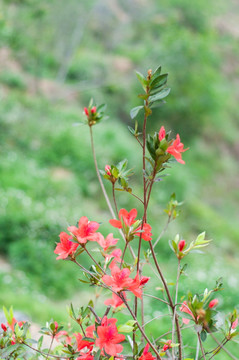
[[55, 56]]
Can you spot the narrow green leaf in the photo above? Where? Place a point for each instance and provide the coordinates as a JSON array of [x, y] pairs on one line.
[[135, 110], [159, 96], [141, 79], [159, 81]]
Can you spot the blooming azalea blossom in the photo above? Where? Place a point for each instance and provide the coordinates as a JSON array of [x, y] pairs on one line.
[[81, 344], [146, 355], [162, 133], [85, 356], [65, 247], [213, 303], [185, 308], [126, 222], [176, 149], [85, 231], [120, 280], [105, 243], [115, 301], [109, 338]]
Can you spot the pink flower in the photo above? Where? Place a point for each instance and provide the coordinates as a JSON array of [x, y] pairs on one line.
[[63, 334], [234, 324], [128, 219], [107, 169], [109, 338], [181, 245], [105, 243], [146, 355], [162, 133], [86, 111], [115, 301], [176, 149], [65, 247], [213, 303], [116, 254], [137, 285], [167, 345], [85, 231], [85, 356], [185, 308]]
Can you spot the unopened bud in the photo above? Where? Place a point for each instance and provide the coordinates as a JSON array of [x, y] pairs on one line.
[[93, 110], [86, 111], [201, 313], [213, 303], [181, 245], [4, 327], [149, 72], [234, 324], [107, 169]]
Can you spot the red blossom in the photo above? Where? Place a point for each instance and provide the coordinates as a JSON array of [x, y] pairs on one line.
[[109, 338], [93, 110], [63, 334], [185, 308], [116, 254], [120, 280], [146, 355], [85, 231], [162, 133], [89, 331], [213, 303], [181, 245], [176, 149], [65, 247], [105, 243], [86, 111], [81, 344], [115, 301], [85, 356], [128, 219]]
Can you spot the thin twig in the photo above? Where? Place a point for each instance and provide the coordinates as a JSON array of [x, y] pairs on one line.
[[162, 232], [201, 346], [174, 310]]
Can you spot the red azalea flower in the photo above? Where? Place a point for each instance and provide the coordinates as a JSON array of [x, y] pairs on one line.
[[63, 334], [146, 355], [85, 356], [176, 149], [81, 344], [109, 338], [85, 231], [128, 219], [115, 301], [162, 133], [89, 331], [137, 284], [185, 308], [65, 247], [213, 303], [105, 243], [119, 279]]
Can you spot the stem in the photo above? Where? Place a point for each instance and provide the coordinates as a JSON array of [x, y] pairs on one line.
[[43, 354], [140, 328], [155, 297], [169, 298], [88, 253], [162, 232], [123, 255], [103, 188], [221, 344], [113, 192], [137, 197], [174, 310], [201, 346], [197, 350], [52, 339]]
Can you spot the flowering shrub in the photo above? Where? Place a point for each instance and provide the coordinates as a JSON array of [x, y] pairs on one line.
[[101, 335]]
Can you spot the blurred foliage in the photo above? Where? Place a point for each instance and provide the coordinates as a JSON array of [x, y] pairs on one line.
[[53, 59]]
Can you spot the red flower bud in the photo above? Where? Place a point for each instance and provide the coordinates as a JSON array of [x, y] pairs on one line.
[[107, 169], [4, 327], [181, 245], [162, 133], [213, 303], [144, 280], [56, 325], [93, 110], [234, 324], [86, 111]]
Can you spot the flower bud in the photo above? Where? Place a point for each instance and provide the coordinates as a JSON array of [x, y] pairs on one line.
[[86, 111], [56, 325], [4, 327], [181, 245], [162, 133], [213, 303], [93, 110], [234, 324], [107, 169]]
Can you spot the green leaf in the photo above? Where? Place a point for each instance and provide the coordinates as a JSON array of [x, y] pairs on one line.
[[141, 79], [39, 343], [135, 110], [160, 95], [203, 335], [159, 81], [156, 73], [97, 355]]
